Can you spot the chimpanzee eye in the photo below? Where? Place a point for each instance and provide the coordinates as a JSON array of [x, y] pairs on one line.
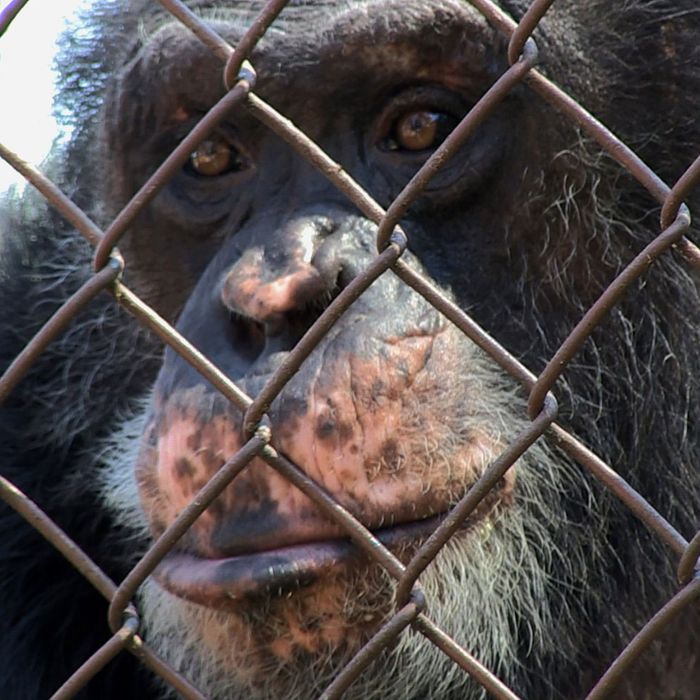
[[419, 130], [214, 157]]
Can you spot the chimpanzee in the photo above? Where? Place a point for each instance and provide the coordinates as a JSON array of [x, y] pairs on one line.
[[395, 413]]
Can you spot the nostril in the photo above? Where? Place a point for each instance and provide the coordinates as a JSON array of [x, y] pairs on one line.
[[277, 332], [247, 336], [276, 291], [284, 331], [339, 260], [327, 262]]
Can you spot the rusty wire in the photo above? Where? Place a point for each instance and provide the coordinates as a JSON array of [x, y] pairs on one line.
[[239, 78], [9, 12], [148, 562]]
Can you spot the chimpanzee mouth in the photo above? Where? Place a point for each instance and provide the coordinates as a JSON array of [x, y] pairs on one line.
[[228, 582]]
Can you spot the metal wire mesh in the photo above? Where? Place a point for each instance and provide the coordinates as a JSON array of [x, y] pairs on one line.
[[239, 76]]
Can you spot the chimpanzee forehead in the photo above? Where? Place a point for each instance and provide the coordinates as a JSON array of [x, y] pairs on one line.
[[304, 30], [358, 41]]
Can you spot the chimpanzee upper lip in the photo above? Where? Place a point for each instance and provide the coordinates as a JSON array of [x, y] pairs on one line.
[[224, 583]]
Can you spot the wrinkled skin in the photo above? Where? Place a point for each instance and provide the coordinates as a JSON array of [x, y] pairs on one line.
[[395, 413]]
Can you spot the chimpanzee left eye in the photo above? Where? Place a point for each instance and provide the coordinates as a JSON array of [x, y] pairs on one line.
[[418, 130], [214, 157]]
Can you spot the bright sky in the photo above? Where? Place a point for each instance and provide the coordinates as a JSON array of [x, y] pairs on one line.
[[27, 81]]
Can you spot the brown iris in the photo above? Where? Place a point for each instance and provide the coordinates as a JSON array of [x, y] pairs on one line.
[[419, 130], [214, 157]]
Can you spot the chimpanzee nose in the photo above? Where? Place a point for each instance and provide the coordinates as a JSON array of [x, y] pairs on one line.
[[255, 291], [289, 273]]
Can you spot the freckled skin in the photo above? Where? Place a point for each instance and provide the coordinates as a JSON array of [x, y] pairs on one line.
[[368, 416], [362, 444], [356, 423], [309, 625]]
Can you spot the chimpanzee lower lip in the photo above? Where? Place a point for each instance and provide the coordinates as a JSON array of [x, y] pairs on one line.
[[224, 583]]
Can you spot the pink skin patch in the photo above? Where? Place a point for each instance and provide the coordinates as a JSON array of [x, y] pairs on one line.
[[248, 295], [362, 435], [258, 290]]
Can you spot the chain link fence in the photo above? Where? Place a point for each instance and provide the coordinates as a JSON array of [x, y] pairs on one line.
[[239, 77]]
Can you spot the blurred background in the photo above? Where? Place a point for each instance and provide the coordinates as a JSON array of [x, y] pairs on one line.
[[27, 77]]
